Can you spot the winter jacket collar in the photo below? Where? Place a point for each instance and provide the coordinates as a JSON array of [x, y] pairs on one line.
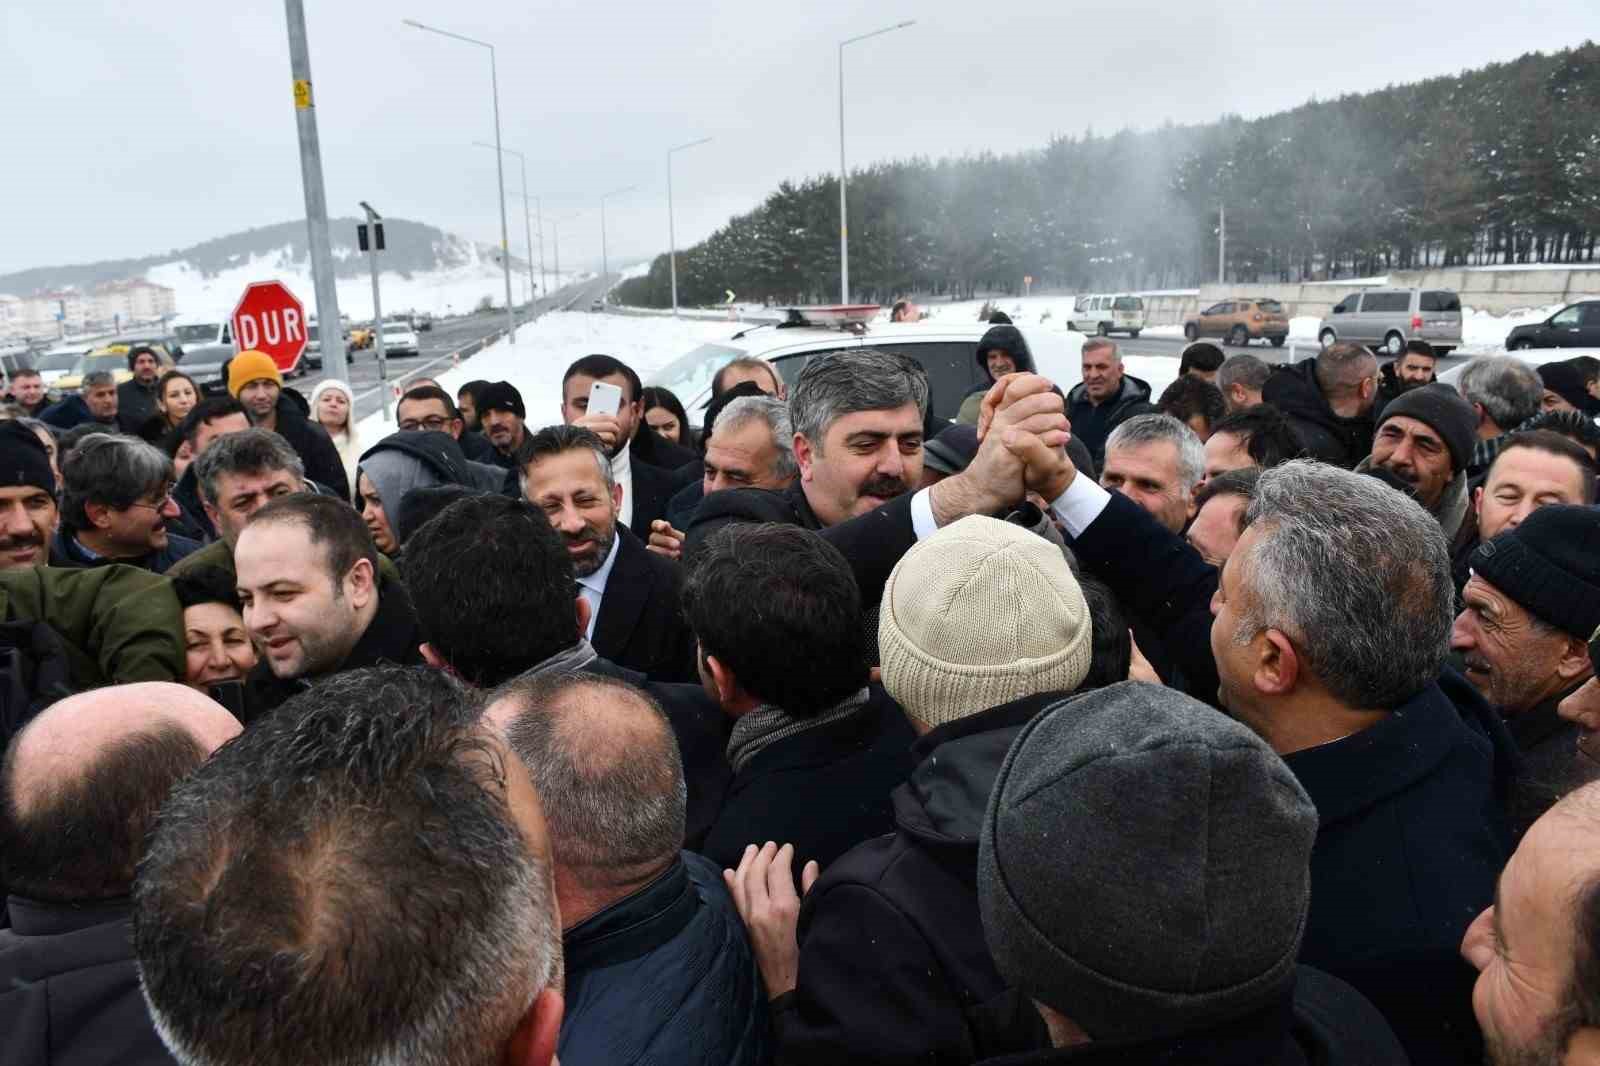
[[633, 926], [1260, 1037], [1347, 776], [66, 551], [31, 917], [805, 517], [943, 800], [1534, 727], [1296, 391], [569, 661], [768, 724], [1132, 390]]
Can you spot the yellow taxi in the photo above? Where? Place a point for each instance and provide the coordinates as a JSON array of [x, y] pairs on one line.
[[113, 357]]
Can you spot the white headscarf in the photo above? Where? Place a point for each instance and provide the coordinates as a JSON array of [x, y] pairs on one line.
[[346, 440]]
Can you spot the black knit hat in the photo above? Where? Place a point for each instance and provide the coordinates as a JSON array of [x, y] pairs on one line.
[[1567, 382], [501, 396], [952, 449], [23, 460], [1441, 408], [1550, 565]]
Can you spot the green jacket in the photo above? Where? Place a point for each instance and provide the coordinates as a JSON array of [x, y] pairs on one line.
[[120, 624]]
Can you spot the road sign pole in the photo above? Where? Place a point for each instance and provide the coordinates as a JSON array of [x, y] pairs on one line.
[[377, 312], [321, 247]]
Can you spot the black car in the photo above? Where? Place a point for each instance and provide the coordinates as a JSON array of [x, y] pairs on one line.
[[1575, 326]]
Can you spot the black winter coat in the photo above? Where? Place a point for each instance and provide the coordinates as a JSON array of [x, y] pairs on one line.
[[640, 624], [928, 991], [136, 405], [1330, 437], [1551, 764], [1411, 841], [665, 976], [1328, 1023], [71, 413], [1092, 423], [824, 790], [69, 989], [66, 551], [315, 448]]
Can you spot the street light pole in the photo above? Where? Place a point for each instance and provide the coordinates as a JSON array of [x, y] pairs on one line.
[[374, 220], [527, 219], [844, 210], [317, 239], [672, 235], [499, 165], [605, 262]]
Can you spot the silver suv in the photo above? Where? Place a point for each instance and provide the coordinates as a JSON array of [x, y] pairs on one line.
[[1387, 318]]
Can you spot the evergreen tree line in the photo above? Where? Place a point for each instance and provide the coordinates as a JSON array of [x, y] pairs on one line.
[[1498, 165]]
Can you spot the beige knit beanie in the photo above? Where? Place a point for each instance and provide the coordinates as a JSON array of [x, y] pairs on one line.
[[981, 613]]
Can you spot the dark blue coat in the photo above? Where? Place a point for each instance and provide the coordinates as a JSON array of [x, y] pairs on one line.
[[665, 976], [70, 413], [66, 551]]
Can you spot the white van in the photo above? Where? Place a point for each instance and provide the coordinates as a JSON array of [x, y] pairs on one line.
[[1107, 313]]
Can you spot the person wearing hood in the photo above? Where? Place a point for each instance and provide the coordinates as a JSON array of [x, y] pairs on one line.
[[407, 460], [929, 992], [333, 407], [255, 381], [1329, 399], [1002, 350], [1425, 439], [1106, 398]]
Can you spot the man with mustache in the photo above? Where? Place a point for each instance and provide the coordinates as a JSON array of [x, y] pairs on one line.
[[1425, 439], [502, 414], [28, 509], [635, 614]]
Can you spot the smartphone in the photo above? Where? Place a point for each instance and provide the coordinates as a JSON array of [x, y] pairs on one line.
[[604, 399]]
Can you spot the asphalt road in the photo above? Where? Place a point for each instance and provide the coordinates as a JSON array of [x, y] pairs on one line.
[[436, 346]]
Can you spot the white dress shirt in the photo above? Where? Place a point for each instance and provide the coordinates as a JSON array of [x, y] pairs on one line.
[[622, 474], [1077, 508], [593, 587]]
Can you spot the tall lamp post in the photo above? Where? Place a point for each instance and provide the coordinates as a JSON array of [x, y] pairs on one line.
[[844, 212], [555, 237], [672, 234], [527, 219], [499, 165], [605, 262]]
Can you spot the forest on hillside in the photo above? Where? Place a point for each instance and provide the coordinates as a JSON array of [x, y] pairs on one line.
[[1497, 165]]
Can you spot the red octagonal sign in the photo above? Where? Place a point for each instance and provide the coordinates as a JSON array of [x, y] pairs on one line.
[[271, 319]]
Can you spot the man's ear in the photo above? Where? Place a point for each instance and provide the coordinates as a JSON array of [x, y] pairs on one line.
[[804, 455], [616, 498], [1477, 502], [1194, 499], [212, 514], [1574, 664], [723, 680], [361, 583], [1277, 666], [533, 1042], [99, 515], [582, 610]]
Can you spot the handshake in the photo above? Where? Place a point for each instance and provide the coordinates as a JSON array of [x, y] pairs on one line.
[[1022, 436]]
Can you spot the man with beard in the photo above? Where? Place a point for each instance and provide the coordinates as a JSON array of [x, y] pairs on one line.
[[502, 414], [116, 505], [642, 464], [28, 511], [636, 617], [1412, 370], [254, 380], [136, 399], [1425, 439], [315, 601]]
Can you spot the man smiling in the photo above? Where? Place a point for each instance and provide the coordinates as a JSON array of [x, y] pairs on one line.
[[28, 512]]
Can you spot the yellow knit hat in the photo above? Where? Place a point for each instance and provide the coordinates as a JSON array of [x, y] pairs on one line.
[[250, 366], [981, 613]]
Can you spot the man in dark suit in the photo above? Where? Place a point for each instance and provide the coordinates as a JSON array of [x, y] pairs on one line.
[[635, 619], [79, 788], [643, 465]]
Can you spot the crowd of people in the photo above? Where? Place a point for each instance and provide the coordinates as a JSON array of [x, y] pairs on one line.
[[1254, 722]]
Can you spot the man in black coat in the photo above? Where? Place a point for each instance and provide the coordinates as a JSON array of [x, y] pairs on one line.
[[636, 619], [254, 380], [1329, 399], [656, 961], [496, 601], [1106, 398], [79, 789], [136, 398], [95, 401], [1344, 680], [314, 600], [815, 750]]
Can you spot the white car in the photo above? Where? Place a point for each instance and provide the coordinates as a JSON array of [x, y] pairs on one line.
[[59, 362], [946, 350], [399, 339]]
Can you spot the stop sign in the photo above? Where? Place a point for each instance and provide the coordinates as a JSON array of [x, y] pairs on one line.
[[269, 318]]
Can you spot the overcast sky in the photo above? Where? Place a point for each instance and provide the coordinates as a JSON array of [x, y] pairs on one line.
[[134, 128]]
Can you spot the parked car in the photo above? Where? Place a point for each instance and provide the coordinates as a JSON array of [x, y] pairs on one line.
[[398, 339], [1107, 314], [1385, 319], [1574, 326], [599, 304], [57, 363], [1240, 321]]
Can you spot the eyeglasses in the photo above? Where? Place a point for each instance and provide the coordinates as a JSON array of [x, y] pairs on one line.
[[166, 498], [436, 424]]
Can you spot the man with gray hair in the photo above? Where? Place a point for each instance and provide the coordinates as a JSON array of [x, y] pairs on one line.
[[95, 401], [1504, 392], [1241, 379], [236, 475], [751, 447], [116, 501], [1158, 463], [1107, 396], [1332, 616], [1329, 399], [657, 964]]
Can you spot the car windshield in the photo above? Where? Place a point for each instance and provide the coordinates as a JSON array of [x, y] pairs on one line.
[[689, 375], [111, 361], [198, 334], [1128, 303], [58, 361], [1271, 307]]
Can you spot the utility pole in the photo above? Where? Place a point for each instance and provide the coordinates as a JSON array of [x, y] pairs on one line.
[[538, 215], [605, 263], [844, 210], [1222, 245], [672, 232], [321, 248], [372, 246]]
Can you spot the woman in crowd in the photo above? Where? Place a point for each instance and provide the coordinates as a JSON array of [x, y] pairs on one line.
[[176, 395], [333, 406], [217, 647], [664, 414]]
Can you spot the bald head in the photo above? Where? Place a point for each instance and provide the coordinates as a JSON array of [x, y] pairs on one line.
[[605, 761], [81, 784]]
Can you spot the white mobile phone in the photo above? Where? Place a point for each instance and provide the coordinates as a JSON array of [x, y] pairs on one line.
[[604, 399]]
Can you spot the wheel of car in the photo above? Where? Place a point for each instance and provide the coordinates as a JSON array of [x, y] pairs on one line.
[[1394, 344], [1524, 345], [1326, 338], [1133, 334], [1239, 336], [1103, 330], [1191, 331]]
